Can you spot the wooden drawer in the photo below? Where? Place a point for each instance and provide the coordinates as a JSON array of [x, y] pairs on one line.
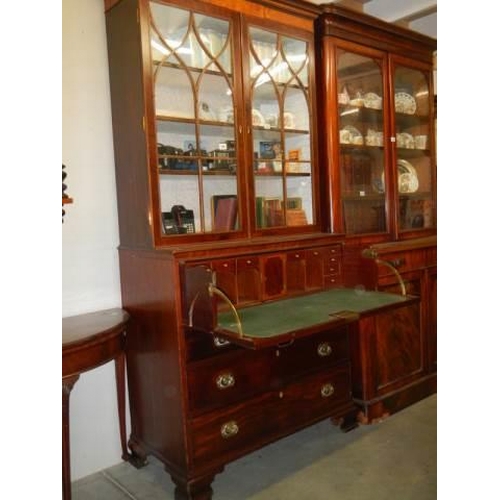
[[269, 416], [200, 345], [317, 395], [331, 261], [308, 354], [333, 251], [230, 377], [332, 280]]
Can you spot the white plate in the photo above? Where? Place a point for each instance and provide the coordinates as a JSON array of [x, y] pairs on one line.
[[372, 100], [405, 103], [351, 135], [405, 140], [407, 177], [407, 183], [257, 118], [405, 167]]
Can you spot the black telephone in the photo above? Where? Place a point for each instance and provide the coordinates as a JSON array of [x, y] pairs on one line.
[[178, 221]]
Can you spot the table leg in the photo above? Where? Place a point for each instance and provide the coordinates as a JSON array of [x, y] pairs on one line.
[[67, 385], [120, 389]]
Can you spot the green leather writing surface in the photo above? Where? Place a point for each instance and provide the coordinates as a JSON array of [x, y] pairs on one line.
[[288, 315]]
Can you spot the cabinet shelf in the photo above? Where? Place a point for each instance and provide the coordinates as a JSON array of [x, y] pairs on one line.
[[190, 121], [194, 69], [166, 171], [280, 174], [263, 128], [356, 147], [412, 152], [426, 195], [369, 197]]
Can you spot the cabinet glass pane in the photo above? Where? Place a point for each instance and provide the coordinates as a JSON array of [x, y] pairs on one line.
[[281, 129], [362, 142], [414, 161], [195, 121]]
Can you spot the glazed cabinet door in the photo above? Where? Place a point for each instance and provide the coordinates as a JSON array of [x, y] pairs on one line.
[[280, 102], [195, 72], [362, 138], [232, 101], [413, 140]]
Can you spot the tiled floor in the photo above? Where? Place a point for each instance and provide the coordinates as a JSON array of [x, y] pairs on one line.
[[391, 460]]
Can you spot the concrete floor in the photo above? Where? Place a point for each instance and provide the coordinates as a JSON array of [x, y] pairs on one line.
[[391, 460]]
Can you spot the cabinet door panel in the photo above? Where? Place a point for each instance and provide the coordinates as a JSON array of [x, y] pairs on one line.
[[415, 162], [399, 347], [194, 89], [249, 280], [281, 114], [225, 272], [295, 271], [315, 269], [362, 139], [274, 276], [432, 317]]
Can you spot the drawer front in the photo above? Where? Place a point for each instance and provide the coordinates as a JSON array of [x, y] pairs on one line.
[[313, 353], [332, 257], [229, 378], [332, 280], [224, 266], [317, 395], [271, 415]]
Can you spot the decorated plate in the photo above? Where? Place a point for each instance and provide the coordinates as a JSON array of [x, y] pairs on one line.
[[372, 100], [351, 135], [257, 118], [405, 103], [405, 140], [407, 177]]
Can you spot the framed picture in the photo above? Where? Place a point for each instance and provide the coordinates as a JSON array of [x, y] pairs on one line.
[[294, 154], [270, 150]]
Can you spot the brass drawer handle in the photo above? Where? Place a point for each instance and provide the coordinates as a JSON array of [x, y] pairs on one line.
[[225, 380], [327, 390], [324, 349], [229, 429]]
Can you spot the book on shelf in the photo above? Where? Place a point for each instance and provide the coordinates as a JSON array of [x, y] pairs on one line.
[[260, 219], [273, 212], [224, 212], [296, 217]]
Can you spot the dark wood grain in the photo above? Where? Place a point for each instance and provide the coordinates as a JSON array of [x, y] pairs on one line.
[[88, 341]]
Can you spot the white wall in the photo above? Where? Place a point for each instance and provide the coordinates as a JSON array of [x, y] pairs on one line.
[[90, 272]]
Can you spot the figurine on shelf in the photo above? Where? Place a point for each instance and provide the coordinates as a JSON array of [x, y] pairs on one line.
[[344, 96], [64, 174], [65, 197]]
